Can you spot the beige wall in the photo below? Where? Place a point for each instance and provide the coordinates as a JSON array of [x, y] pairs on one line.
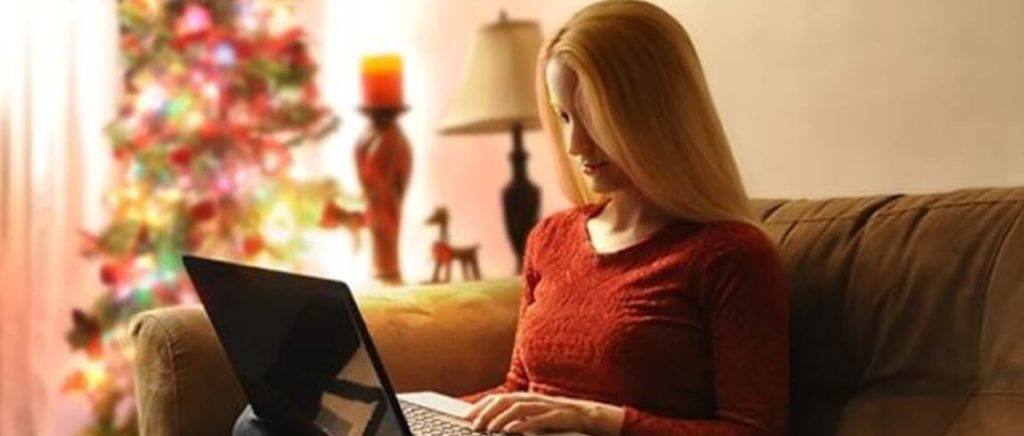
[[820, 98]]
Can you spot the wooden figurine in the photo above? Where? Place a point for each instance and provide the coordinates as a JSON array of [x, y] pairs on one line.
[[384, 163], [444, 253]]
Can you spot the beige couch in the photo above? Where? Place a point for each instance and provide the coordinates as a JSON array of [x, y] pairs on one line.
[[907, 319]]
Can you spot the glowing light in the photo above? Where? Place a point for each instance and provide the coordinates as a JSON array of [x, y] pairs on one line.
[[224, 184], [195, 19], [246, 16], [280, 18], [131, 122], [279, 227], [116, 334], [131, 193], [170, 276], [178, 106], [193, 120], [95, 373], [169, 195], [145, 262], [262, 193], [211, 91], [224, 54], [272, 162], [151, 99], [138, 171], [244, 178], [154, 215], [129, 353], [289, 95], [147, 282], [122, 292]]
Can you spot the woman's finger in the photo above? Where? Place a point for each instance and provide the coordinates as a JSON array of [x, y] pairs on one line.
[[493, 408], [517, 411], [554, 419], [478, 406]]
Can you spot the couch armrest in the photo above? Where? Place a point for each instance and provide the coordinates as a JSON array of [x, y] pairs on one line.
[[183, 381], [456, 339]]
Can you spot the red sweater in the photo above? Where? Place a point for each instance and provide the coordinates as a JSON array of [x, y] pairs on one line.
[[686, 330]]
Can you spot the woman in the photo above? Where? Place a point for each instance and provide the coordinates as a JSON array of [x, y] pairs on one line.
[[658, 306]]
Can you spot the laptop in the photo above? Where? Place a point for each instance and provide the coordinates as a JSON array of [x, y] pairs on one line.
[[301, 351]]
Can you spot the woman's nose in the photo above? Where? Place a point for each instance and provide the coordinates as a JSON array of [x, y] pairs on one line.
[[579, 144]]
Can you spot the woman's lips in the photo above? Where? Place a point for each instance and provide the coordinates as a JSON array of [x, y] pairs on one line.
[[591, 168]]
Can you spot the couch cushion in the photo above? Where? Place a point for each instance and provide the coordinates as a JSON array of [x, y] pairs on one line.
[[420, 334], [922, 276], [905, 310]]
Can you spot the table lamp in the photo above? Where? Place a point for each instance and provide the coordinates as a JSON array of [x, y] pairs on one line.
[[497, 95]]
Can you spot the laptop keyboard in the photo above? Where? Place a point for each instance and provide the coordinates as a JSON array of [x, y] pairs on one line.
[[426, 422]]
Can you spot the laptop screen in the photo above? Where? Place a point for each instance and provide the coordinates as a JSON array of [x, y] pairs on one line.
[[296, 344]]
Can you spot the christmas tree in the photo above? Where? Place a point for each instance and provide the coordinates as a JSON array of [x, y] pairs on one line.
[[217, 92]]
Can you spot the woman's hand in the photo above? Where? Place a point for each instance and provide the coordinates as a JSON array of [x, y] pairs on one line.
[[522, 412]]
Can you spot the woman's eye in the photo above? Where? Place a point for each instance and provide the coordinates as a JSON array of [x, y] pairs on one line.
[[565, 117]]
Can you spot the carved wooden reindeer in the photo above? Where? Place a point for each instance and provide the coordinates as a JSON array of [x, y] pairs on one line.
[[444, 253]]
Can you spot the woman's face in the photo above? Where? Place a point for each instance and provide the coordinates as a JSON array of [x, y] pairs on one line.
[[602, 175]]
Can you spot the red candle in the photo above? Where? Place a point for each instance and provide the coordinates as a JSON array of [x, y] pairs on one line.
[[382, 81]]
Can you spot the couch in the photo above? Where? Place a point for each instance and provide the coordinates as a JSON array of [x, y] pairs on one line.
[[907, 318]]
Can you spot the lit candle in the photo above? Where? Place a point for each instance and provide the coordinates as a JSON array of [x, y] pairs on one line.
[[382, 81]]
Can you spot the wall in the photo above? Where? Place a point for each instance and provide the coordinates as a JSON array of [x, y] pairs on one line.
[[820, 98]]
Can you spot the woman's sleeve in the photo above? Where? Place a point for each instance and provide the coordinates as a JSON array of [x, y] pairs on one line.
[[746, 303], [516, 378]]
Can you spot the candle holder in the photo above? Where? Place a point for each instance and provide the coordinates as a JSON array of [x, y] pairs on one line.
[[384, 162]]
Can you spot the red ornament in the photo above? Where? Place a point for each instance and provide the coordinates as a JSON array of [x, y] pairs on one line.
[[181, 156], [202, 211], [110, 274], [252, 245], [130, 44], [141, 139], [122, 153], [209, 131], [260, 103]]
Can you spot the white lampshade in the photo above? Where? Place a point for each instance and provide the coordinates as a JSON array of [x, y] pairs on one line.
[[497, 88]]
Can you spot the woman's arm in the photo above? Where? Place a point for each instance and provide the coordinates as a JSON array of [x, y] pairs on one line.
[[516, 379]]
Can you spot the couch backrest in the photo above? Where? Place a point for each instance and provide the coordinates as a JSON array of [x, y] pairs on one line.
[[907, 312]]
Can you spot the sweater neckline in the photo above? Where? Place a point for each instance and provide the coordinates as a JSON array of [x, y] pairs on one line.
[[651, 239]]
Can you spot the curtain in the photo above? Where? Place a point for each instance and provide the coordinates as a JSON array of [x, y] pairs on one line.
[[58, 84]]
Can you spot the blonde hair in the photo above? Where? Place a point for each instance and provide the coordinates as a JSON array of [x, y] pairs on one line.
[[646, 104]]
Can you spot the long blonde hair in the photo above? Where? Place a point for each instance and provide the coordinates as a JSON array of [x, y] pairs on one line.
[[647, 105]]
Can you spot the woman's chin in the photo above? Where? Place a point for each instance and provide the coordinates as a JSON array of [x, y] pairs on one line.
[[601, 188]]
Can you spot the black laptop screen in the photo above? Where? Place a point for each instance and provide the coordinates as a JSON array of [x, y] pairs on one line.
[[296, 347]]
